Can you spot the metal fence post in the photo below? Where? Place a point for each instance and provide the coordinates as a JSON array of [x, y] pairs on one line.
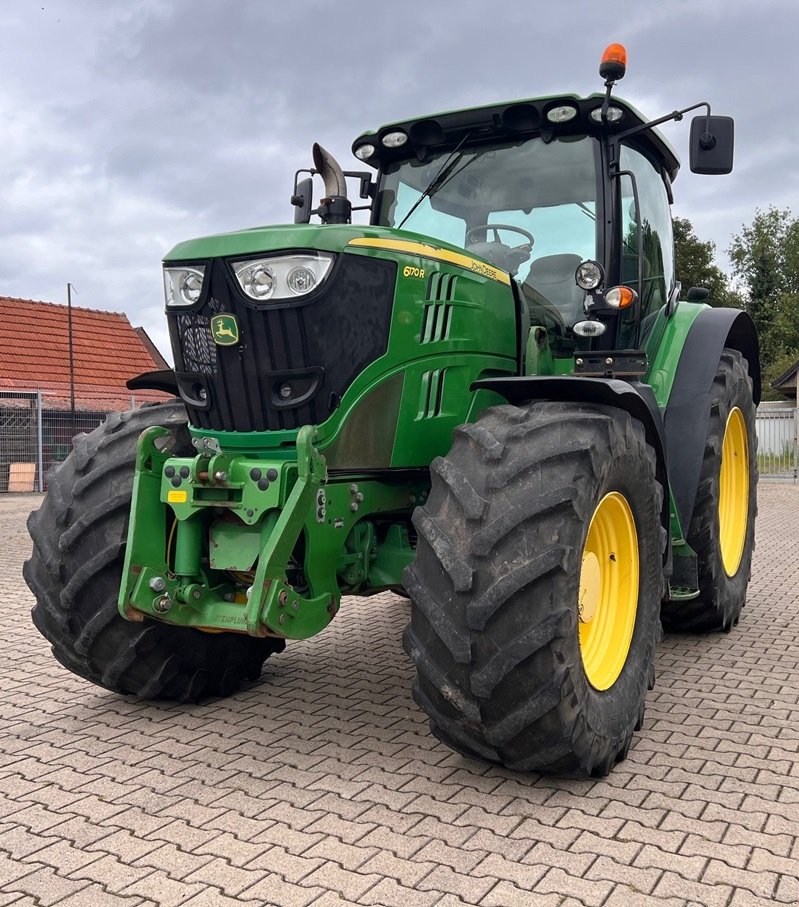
[[39, 443]]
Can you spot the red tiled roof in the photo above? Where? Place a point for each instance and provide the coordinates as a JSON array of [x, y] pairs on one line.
[[107, 350]]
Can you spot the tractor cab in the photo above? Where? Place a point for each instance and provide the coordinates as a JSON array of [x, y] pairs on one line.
[[571, 196]]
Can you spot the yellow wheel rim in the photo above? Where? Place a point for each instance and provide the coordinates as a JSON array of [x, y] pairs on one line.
[[608, 597], [733, 492]]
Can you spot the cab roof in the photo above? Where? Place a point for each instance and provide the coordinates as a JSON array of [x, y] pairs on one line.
[[508, 121]]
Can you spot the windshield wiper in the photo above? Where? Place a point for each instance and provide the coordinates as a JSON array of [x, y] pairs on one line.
[[438, 180]]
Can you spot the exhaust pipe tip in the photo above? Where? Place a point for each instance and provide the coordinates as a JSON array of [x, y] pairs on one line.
[[330, 171]]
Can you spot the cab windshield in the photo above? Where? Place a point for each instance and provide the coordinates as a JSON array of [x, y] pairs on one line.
[[541, 197]]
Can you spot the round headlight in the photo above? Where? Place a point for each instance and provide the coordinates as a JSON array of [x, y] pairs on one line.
[[364, 152], [562, 114], [620, 297], [191, 286], [614, 114], [394, 139], [262, 282], [588, 275], [301, 280], [183, 285], [282, 276]]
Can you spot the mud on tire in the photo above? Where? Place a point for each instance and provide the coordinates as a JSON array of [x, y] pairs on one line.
[[494, 625], [74, 572]]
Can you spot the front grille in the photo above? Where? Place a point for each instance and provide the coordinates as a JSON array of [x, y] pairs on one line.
[[316, 347]]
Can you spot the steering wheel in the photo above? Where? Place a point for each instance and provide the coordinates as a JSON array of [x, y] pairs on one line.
[[496, 228], [509, 258]]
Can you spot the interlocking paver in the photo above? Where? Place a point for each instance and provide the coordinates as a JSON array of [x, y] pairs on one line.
[[350, 884], [320, 786], [96, 896], [406, 872], [636, 878], [389, 893], [46, 886], [788, 889], [291, 867], [110, 872], [672, 885], [447, 881], [587, 891], [18, 842], [523, 875], [161, 889], [506, 894]]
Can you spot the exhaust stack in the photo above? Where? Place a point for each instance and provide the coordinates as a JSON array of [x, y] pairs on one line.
[[335, 208]]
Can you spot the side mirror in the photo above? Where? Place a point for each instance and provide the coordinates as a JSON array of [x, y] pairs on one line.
[[697, 294], [712, 140], [303, 200]]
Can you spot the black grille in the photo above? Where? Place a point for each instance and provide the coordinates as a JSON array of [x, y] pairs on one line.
[[316, 348]]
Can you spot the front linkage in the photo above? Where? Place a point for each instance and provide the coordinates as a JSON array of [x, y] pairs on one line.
[[265, 547]]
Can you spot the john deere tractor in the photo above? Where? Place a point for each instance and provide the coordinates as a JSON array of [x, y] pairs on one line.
[[493, 398]]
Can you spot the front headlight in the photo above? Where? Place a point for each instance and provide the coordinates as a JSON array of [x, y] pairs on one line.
[[282, 276], [183, 286]]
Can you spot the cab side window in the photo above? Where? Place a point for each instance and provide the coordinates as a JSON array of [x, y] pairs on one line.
[[656, 254]]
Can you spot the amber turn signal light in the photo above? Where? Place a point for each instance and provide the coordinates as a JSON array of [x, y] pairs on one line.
[[620, 297]]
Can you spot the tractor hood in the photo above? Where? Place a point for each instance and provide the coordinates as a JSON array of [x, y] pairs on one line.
[[323, 238]]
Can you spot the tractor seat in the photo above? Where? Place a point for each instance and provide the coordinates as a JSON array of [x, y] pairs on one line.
[[553, 278]]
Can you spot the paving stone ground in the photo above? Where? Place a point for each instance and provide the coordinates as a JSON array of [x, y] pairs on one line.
[[320, 784]]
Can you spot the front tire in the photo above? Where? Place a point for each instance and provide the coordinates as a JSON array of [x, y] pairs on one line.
[[79, 536], [722, 527], [538, 513]]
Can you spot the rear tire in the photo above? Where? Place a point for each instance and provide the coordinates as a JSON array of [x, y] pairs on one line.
[[722, 594], [496, 588], [74, 572]]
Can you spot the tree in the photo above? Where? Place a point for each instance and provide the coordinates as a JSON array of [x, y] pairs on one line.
[[765, 259], [695, 267]]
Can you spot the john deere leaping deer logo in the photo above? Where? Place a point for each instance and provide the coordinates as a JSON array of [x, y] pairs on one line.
[[225, 330]]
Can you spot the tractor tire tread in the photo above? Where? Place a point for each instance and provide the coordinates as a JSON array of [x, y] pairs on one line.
[[79, 536], [721, 598], [479, 645]]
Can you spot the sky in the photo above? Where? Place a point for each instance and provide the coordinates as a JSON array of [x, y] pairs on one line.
[[127, 126]]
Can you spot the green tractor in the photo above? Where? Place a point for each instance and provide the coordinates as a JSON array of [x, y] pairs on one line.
[[492, 399]]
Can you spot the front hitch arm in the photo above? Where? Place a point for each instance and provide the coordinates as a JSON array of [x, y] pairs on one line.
[[273, 607]]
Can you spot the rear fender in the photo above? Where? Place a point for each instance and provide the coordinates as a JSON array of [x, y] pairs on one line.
[[687, 409]]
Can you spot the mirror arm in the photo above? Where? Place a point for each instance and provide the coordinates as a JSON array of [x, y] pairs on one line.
[[366, 188], [674, 115]]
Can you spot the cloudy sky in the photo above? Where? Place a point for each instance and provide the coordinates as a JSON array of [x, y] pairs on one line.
[[129, 125]]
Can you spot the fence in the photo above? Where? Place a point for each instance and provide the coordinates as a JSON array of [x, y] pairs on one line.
[[777, 454], [36, 434]]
